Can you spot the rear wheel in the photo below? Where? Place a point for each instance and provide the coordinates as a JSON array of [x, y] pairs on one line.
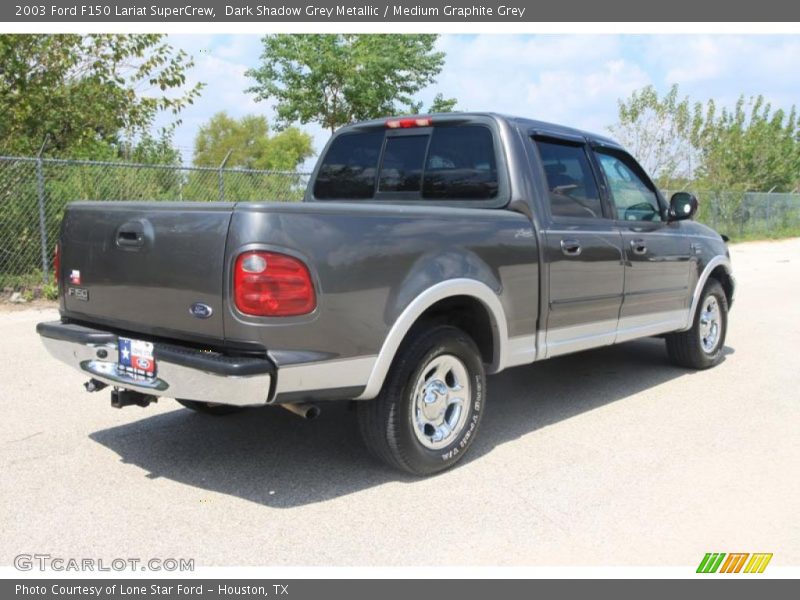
[[701, 346], [429, 410], [210, 408]]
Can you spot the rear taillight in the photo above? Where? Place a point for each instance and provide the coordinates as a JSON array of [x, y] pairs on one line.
[[409, 123], [57, 266], [268, 284]]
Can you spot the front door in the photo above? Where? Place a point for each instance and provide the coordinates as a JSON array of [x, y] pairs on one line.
[[583, 251], [658, 258]]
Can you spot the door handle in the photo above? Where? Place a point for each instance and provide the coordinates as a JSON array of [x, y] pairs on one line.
[[130, 238], [638, 246], [571, 247], [132, 235]]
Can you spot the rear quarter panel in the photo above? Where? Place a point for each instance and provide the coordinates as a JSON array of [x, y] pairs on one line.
[[370, 261]]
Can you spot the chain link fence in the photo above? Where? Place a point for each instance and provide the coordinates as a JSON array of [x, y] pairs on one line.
[[750, 215], [34, 192]]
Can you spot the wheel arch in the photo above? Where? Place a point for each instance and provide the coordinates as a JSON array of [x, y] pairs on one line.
[[718, 268], [723, 275], [467, 303]]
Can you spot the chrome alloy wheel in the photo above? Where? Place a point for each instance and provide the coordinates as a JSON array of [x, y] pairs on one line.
[[710, 324], [441, 399]]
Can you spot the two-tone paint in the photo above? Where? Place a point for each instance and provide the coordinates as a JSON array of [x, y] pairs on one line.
[[542, 286]]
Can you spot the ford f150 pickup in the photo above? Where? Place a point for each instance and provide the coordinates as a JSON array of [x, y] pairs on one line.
[[428, 252]]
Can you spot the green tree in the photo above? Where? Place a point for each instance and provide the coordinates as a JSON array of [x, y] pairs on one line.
[[87, 94], [440, 104], [152, 149], [657, 130], [250, 145], [335, 79], [748, 148]]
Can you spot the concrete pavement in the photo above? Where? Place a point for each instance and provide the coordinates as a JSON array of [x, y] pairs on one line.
[[608, 457]]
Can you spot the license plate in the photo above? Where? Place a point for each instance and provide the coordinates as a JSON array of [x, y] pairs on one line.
[[136, 358]]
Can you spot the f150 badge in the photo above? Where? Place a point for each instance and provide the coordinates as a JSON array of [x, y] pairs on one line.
[[200, 310], [78, 293]]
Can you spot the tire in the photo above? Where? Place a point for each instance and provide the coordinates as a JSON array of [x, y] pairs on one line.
[[699, 347], [208, 408], [428, 413]]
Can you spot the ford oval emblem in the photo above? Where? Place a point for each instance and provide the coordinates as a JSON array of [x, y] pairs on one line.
[[200, 310]]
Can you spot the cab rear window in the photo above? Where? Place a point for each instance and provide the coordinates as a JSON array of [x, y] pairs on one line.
[[403, 159], [436, 163], [350, 167]]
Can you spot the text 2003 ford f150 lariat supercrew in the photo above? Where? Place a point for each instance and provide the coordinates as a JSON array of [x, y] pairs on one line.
[[428, 252]]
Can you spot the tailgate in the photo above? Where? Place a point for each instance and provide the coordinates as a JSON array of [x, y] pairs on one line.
[[144, 266]]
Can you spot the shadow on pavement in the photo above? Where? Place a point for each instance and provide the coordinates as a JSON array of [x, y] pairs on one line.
[[256, 452]]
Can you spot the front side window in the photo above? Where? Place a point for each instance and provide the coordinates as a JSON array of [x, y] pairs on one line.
[[633, 195], [570, 181]]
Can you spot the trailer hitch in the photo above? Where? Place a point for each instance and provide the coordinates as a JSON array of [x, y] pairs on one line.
[[121, 398]]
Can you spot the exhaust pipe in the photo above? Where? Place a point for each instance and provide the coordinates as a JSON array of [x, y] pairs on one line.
[[303, 409], [94, 385]]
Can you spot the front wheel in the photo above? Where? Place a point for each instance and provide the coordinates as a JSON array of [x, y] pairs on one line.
[[429, 410], [701, 346]]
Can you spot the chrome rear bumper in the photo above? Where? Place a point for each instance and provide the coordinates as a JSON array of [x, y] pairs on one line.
[[181, 372]]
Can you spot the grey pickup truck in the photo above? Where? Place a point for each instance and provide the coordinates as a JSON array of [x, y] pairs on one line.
[[429, 251]]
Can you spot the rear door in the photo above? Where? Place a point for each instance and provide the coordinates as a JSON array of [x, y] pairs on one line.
[[144, 266], [582, 251], [658, 256]]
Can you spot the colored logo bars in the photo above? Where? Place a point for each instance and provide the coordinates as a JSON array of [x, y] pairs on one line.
[[719, 562]]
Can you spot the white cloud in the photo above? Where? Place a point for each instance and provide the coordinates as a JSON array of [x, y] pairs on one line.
[[570, 79], [724, 66], [586, 100], [220, 63], [574, 80]]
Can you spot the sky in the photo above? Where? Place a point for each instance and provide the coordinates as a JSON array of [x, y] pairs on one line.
[[573, 79]]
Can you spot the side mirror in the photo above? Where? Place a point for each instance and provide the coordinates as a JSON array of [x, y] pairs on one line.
[[682, 205]]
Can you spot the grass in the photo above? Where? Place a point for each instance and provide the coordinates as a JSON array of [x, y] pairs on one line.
[[30, 285]]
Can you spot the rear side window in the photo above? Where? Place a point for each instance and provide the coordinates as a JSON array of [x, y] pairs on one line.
[[570, 181], [350, 167], [437, 163], [461, 164]]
